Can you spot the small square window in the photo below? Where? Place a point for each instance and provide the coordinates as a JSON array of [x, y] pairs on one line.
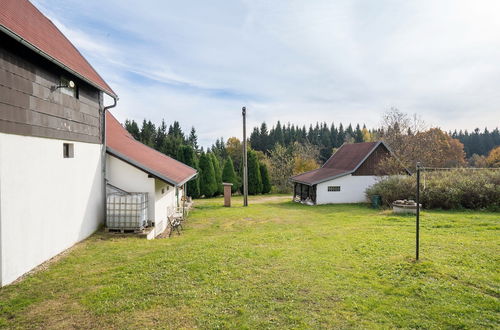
[[162, 190], [333, 188], [68, 150]]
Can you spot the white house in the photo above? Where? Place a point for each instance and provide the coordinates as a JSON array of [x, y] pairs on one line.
[[344, 177], [51, 141], [134, 167]]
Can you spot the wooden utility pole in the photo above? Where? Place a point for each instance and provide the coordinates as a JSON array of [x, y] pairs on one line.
[[245, 164], [417, 222]]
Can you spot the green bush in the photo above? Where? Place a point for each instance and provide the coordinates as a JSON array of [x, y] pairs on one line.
[[447, 190]]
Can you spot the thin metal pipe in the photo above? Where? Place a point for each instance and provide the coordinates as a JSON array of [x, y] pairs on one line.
[[103, 154]]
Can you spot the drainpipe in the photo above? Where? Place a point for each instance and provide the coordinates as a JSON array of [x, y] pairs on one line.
[[115, 99]]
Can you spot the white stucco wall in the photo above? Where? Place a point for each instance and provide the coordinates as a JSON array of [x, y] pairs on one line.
[[47, 202], [352, 189]]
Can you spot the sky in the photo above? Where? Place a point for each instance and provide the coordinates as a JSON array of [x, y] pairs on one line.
[[199, 62]]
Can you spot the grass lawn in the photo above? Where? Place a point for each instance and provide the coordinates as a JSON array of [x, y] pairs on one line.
[[274, 264]]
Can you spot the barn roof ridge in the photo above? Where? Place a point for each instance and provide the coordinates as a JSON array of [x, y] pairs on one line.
[[328, 171]]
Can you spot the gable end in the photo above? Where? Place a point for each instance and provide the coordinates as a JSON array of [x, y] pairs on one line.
[[370, 165]]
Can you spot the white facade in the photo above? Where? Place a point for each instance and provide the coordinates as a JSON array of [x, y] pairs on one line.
[[352, 189], [47, 202], [162, 196]]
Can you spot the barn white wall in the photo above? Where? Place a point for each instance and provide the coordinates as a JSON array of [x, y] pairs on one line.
[[47, 202], [352, 189], [131, 179], [164, 198]]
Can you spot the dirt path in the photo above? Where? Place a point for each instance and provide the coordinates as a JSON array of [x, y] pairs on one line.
[[267, 199]]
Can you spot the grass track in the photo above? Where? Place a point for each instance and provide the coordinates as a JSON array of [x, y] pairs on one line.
[[274, 264]]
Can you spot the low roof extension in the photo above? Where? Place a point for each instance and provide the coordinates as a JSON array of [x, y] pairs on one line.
[[346, 160], [24, 22], [122, 145]]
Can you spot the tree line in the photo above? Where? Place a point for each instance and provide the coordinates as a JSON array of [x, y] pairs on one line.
[[215, 166], [478, 142], [325, 137], [277, 153]]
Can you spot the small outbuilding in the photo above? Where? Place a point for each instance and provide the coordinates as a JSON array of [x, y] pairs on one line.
[[344, 177], [133, 167]]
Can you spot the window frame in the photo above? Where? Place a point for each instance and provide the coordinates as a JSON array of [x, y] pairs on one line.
[[334, 188], [68, 150]]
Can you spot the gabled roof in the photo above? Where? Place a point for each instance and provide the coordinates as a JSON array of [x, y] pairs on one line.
[[346, 160], [24, 22], [122, 145]]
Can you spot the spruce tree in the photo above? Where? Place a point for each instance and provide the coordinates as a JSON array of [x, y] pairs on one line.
[[193, 139], [254, 179], [208, 186], [133, 129], [358, 134], [229, 175], [266, 182]]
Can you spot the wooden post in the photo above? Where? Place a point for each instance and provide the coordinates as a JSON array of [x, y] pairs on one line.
[[227, 194], [245, 163]]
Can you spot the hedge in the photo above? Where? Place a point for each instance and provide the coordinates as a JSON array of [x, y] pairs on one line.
[[454, 189]]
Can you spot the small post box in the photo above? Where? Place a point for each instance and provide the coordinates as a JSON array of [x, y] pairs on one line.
[[227, 194]]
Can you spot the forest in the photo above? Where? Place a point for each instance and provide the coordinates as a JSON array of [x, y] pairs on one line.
[[276, 153]]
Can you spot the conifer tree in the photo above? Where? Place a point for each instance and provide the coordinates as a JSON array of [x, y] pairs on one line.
[[193, 139], [254, 179], [133, 129], [266, 182], [208, 185], [188, 157], [358, 134], [229, 175], [218, 174]]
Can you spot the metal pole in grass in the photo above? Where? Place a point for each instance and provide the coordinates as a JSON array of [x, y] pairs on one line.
[[245, 165], [417, 236]]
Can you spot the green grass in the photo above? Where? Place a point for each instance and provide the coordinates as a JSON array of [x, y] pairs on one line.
[[274, 264]]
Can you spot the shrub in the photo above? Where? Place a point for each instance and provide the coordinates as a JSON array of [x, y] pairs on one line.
[[448, 190]]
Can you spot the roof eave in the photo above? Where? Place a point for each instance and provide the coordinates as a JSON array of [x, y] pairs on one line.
[[188, 179], [145, 169], [54, 60], [323, 180]]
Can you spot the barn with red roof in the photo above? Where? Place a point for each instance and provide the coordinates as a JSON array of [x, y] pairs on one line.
[[344, 177]]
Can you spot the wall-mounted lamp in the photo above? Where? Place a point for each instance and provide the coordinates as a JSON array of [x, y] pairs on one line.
[[70, 84]]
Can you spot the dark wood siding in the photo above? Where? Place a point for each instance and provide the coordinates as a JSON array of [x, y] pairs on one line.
[[29, 107], [371, 165]]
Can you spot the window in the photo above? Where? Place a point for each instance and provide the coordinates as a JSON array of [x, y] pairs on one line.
[[66, 89], [333, 188], [68, 150]]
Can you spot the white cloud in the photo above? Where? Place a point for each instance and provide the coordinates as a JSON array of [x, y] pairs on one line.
[[199, 62]]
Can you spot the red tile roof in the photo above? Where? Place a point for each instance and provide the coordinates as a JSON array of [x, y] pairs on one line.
[[25, 22], [122, 145], [344, 161]]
